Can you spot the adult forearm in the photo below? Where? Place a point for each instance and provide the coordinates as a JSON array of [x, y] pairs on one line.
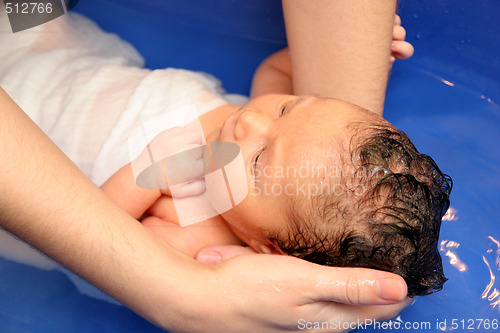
[[341, 48], [48, 202]]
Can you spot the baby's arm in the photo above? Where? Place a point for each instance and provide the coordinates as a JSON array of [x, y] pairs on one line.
[[160, 216], [122, 189]]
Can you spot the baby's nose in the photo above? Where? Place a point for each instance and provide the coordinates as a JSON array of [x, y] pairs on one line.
[[251, 123]]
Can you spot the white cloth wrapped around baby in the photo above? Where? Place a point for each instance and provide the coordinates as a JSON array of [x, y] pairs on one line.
[[87, 91]]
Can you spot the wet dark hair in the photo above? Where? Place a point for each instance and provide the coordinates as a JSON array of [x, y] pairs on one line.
[[392, 224]]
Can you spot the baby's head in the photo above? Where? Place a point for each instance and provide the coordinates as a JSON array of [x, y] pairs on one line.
[[337, 185]]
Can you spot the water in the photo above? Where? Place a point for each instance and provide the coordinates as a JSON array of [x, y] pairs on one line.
[[460, 129]]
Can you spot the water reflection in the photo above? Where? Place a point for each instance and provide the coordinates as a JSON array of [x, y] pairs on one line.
[[448, 83], [448, 247], [450, 215], [491, 293], [492, 260]]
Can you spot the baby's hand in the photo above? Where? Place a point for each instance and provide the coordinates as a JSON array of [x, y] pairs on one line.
[[400, 48], [172, 162]]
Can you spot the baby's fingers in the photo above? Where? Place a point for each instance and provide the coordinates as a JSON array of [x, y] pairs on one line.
[[188, 189]]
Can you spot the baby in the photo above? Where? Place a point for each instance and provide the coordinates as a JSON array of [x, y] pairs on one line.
[[365, 196], [328, 182]]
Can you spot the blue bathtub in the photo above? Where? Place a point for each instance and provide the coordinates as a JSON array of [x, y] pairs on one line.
[[445, 98]]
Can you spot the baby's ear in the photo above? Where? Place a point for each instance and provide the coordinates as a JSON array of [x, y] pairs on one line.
[[266, 246], [269, 249]]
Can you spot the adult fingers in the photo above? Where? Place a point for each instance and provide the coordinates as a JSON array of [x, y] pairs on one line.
[[397, 20], [402, 50], [213, 255], [359, 286], [398, 33]]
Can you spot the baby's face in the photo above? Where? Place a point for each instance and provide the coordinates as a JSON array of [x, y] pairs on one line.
[[292, 149]]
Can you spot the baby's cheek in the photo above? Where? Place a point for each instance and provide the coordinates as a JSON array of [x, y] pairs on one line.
[[227, 185], [245, 217]]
